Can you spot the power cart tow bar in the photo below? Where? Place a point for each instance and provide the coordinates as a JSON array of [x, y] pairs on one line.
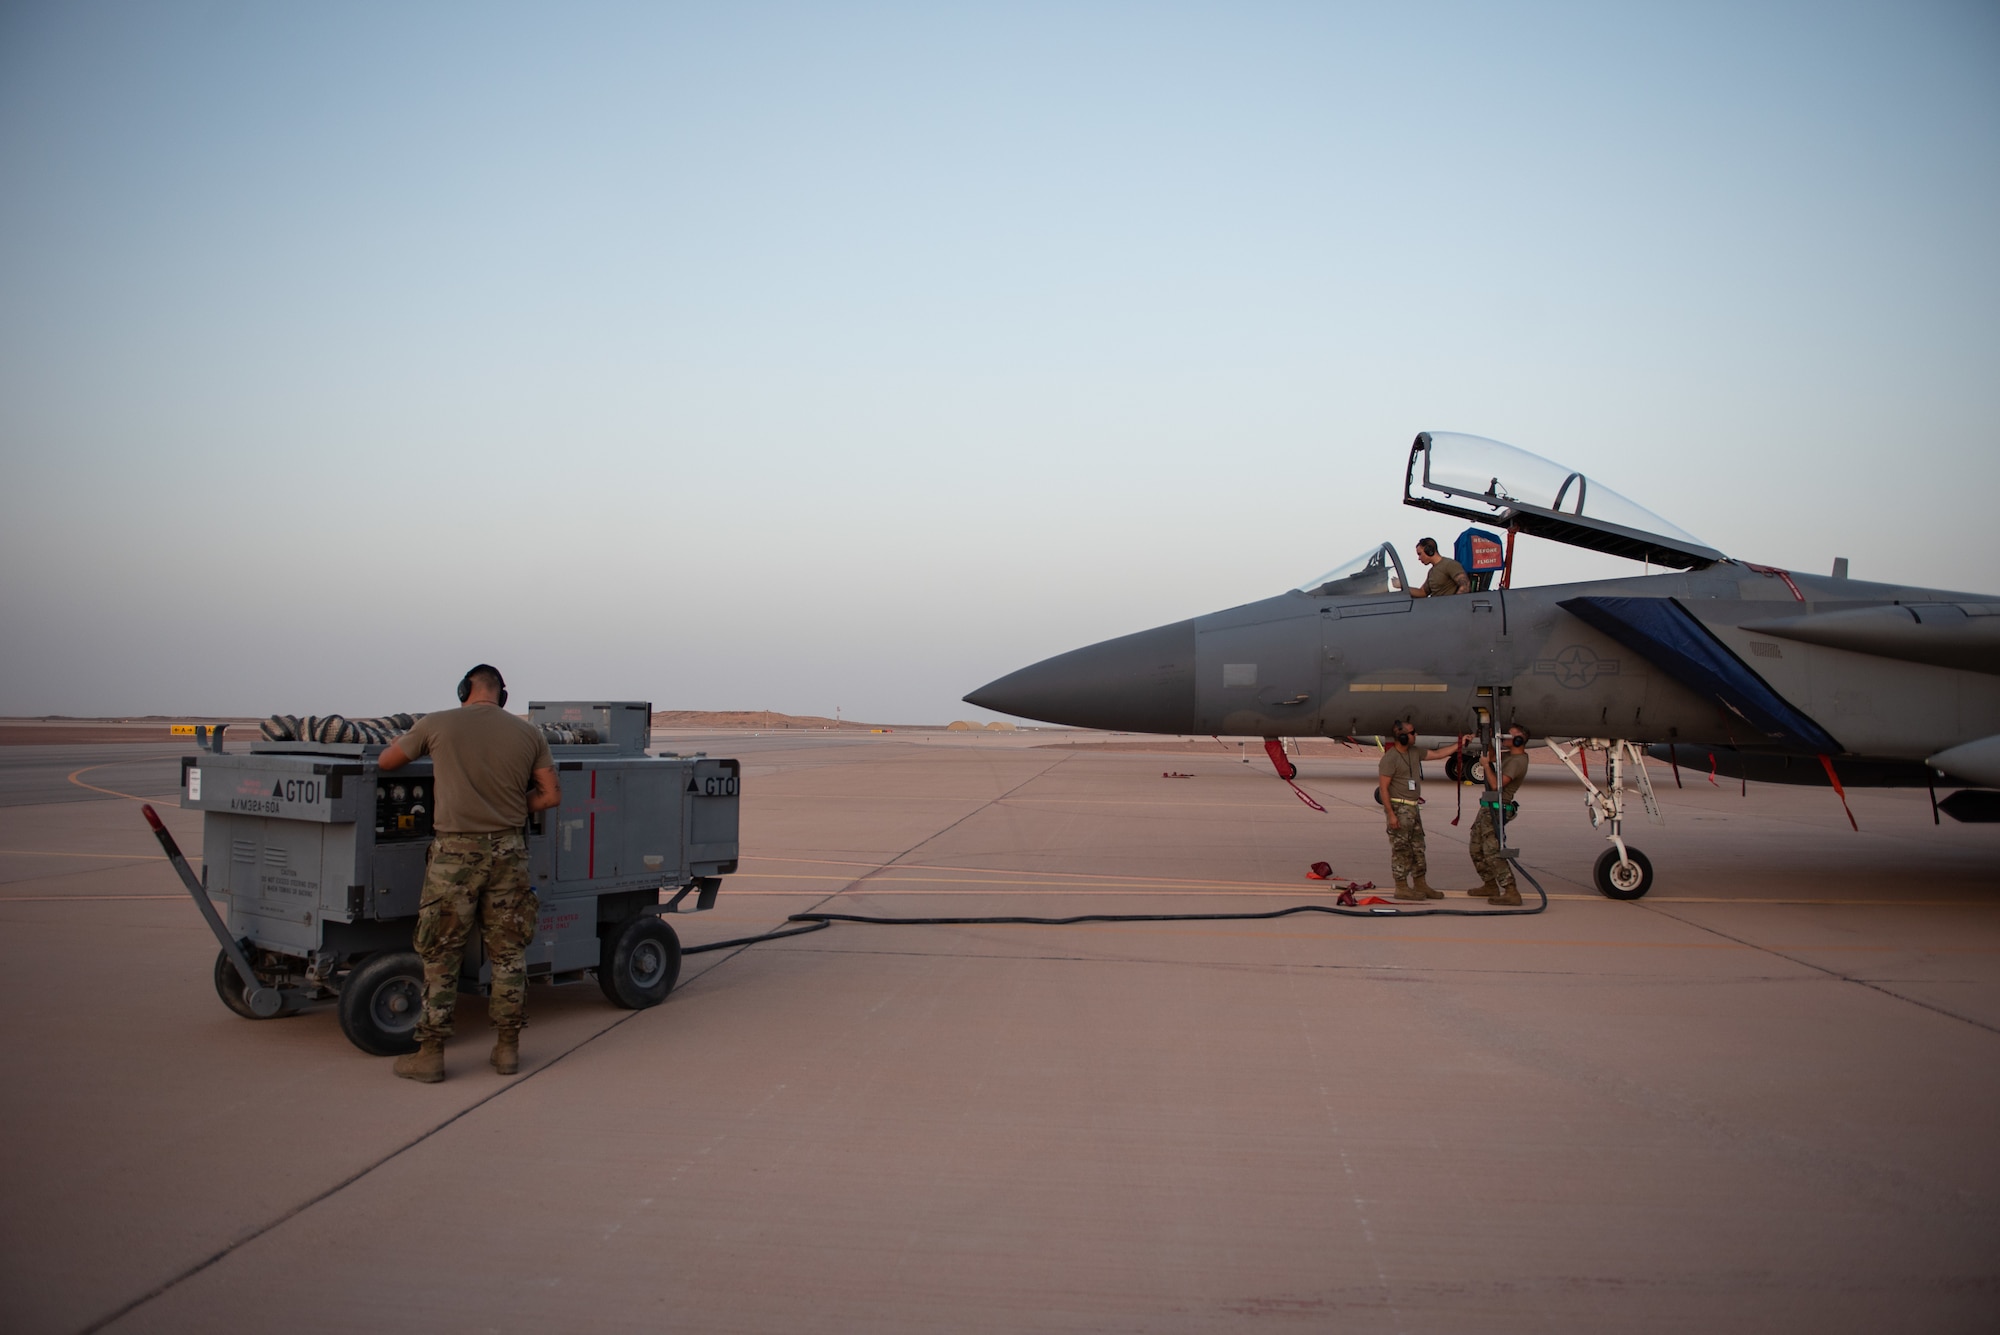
[[264, 1002]]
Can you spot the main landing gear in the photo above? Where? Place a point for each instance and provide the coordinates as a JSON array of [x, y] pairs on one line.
[[1622, 872], [1470, 770]]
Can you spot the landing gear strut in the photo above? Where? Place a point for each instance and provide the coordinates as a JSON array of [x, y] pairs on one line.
[[1622, 872]]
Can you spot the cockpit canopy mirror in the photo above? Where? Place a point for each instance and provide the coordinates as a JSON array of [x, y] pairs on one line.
[[1492, 483], [1377, 570]]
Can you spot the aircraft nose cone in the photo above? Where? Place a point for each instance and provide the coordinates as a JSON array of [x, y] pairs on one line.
[[1135, 683]]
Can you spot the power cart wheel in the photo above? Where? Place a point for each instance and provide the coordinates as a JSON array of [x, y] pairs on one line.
[[1623, 880], [639, 963], [381, 1003], [229, 986]]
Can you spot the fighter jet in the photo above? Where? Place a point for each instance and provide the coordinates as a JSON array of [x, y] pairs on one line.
[[1739, 669]]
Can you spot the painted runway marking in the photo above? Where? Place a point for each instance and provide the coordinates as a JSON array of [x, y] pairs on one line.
[[65, 899], [1263, 889], [1045, 883], [109, 792], [765, 796]]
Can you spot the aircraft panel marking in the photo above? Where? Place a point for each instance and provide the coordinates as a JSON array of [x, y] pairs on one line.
[[1576, 667], [1437, 686]]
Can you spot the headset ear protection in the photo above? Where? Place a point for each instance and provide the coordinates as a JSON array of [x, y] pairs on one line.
[[465, 682]]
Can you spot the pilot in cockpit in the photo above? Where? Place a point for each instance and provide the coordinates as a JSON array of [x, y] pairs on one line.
[[1447, 576]]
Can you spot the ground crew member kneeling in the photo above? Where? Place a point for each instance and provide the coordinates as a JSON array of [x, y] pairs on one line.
[[1401, 788], [484, 760], [1496, 874]]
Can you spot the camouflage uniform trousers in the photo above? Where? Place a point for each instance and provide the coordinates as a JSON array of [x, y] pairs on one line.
[[482, 877], [1406, 843], [1486, 860]]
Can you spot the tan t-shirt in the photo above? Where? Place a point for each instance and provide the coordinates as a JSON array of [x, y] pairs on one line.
[[1405, 772], [1513, 769], [1443, 578], [484, 760]]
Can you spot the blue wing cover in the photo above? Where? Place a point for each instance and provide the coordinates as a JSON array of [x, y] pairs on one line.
[[1668, 635]]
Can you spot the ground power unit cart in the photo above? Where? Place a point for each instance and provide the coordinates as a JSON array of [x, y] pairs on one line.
[[313, 864]]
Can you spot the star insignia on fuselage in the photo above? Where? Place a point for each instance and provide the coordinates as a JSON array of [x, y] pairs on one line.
[[1576, 667]]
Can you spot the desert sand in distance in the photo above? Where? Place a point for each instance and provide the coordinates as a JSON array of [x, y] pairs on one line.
[[58, 730]]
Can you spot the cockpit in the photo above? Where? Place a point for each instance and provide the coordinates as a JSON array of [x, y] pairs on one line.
[[1377, 570]]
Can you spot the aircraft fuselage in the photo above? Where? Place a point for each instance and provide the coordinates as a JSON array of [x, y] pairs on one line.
[[1301, 665]]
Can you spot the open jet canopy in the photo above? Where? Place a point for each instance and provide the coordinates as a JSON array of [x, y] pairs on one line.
[[1492, 483]]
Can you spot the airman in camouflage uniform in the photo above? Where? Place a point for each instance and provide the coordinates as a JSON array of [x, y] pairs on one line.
[[1496, 874], [490, 771], [1400, 790], [481, 877], [1406, 851]]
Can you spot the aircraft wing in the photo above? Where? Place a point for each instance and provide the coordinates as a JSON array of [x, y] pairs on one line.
[[1668, 635]]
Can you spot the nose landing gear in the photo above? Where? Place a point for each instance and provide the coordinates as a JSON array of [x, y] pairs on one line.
[[1626, 877], [1622, 872]]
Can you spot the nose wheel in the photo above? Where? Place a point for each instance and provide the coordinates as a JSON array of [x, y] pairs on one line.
[[1626, 877]]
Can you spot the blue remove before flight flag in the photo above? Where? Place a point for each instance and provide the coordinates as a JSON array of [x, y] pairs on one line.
[[1479, 551]]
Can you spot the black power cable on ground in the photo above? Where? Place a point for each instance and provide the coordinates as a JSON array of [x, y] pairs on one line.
[[816, 922]]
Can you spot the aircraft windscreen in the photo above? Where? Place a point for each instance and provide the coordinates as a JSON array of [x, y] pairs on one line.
[[1377, 570], [1486, 470]]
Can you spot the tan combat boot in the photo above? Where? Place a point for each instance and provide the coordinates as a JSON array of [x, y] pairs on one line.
[[1510, 898], [507, 1053], [1484, 891], [425, 1065], [1424, 890], [1405, 891]]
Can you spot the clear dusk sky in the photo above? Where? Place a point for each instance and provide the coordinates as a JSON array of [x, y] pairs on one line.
[[794, 357]]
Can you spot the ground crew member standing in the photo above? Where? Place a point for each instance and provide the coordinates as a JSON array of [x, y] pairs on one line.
[[484, 760], [1496, 874], [1401, 788], [1447, 576]]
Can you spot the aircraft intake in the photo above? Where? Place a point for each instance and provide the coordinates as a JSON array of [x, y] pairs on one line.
[[1135, 683]]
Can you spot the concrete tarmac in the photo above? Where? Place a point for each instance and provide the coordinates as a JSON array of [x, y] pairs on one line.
[[1763, 1098]]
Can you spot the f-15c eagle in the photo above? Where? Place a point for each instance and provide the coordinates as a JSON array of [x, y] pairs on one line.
[[1763, 672]]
